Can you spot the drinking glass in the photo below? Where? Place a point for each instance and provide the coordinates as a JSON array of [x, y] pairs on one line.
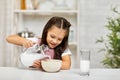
[[84, 62]]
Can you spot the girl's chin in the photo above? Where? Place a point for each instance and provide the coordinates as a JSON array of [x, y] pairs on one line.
[[51, 46]]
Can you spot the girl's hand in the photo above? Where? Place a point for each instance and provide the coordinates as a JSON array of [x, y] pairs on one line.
[[37, 64], [28, 43]]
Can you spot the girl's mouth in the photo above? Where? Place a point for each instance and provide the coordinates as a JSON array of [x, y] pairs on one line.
[[52, 45]]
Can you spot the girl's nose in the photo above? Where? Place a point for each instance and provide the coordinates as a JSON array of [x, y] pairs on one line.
[[54, 41]]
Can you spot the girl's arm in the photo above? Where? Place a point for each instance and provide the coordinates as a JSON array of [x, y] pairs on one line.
[[17, 40], [66, 62]]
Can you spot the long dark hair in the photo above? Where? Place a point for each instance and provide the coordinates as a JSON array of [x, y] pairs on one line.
[[57, 21]]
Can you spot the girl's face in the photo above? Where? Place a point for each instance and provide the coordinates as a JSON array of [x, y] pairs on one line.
[[55, 36]]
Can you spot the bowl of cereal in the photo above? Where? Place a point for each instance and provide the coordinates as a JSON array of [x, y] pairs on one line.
[[51, 65]]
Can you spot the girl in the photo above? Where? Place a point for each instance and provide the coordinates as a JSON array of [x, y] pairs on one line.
[[55, 35]]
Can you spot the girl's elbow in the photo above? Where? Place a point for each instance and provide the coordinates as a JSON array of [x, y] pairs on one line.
[[67, 68]]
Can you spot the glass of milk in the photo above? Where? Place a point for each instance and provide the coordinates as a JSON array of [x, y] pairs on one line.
[[84, 62]]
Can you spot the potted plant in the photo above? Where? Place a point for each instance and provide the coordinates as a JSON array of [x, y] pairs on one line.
[[112, 42]]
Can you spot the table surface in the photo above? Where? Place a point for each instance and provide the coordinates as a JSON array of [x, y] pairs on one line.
[[13, 73]]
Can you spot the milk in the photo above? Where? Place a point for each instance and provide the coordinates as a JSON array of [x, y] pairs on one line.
[[84, 66]]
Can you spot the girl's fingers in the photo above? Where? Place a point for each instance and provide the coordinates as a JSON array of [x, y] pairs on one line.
[[37, 63], [28, 43]]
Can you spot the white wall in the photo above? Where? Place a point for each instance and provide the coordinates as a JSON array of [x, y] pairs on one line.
[[93, 18]]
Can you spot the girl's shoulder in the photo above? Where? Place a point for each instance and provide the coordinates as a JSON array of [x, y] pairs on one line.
[[66, 52]]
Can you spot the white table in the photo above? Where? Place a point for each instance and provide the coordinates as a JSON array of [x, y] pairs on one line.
[[11, 73]]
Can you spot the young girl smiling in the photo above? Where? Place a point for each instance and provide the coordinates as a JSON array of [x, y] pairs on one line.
[[55, 36]]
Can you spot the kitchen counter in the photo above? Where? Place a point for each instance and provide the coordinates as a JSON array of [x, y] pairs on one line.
[[12, 73]]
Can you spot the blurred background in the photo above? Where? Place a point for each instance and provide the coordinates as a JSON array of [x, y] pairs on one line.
[[88, 19]]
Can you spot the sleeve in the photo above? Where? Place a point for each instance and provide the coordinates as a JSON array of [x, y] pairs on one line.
[[34, 39], [66, 52]]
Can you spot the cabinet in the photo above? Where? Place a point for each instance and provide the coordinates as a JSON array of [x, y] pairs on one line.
[[35, 18]]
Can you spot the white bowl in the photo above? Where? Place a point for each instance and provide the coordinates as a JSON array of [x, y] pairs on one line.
[[27, 59], [51, 65]]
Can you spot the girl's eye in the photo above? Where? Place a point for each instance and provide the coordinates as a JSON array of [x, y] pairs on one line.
[[52, 36], [60, 39]]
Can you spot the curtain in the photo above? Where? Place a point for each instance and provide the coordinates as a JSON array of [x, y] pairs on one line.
[[9, 54], [2, 30]]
